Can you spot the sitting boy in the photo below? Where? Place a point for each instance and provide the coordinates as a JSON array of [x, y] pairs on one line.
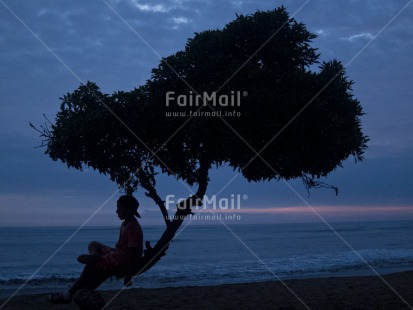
[[104, 261]]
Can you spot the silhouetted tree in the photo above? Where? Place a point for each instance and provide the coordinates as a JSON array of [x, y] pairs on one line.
[[303, 121]]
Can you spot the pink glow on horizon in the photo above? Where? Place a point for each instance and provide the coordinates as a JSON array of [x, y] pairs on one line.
[[333, 210]]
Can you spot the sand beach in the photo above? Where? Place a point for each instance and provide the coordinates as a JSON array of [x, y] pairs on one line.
[[392, 291]]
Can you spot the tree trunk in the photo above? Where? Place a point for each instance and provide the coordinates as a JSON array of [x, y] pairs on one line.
[[153, 254]]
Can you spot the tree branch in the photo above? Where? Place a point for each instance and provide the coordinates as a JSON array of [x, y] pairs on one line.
[[153, 254], [151, 192], [310, 183], [44, 131]]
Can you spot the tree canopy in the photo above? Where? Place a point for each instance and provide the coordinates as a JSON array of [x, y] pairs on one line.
[[298, 114]]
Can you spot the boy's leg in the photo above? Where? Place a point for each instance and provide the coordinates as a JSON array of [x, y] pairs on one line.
[[93, 274], [97, 248], [96, 251], [96, 273], [91, 278]]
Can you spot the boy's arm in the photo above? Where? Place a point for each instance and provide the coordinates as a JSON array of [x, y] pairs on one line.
[[133, 251], [135, 240], [133, 256]]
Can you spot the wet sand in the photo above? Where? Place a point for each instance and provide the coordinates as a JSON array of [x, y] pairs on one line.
[[393, 291]]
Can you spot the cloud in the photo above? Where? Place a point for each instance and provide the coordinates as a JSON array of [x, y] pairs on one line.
[[359, 36], [180, 20], [321, 32], [97, 45], [237, 3], [155, 8]]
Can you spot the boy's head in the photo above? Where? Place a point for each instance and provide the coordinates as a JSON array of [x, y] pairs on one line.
[[127, 206]]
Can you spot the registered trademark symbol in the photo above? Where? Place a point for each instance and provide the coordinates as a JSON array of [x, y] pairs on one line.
[[245, 197], [245, 93]]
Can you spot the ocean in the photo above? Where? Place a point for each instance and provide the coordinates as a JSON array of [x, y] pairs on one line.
[[43, 259]]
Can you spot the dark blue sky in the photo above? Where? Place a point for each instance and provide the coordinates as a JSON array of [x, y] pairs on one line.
[[48, 47]]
